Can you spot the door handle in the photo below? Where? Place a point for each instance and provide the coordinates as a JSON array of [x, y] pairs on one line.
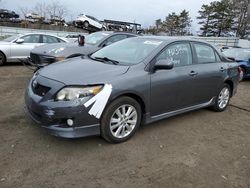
[[222, 69], [193, 73]]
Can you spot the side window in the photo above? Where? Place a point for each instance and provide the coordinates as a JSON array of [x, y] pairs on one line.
[[31, 38], [129, 36], [115, 38], [49, 39], [205, 53], [180, 54]]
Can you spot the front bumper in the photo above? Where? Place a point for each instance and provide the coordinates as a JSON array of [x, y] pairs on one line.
[[52, 115]]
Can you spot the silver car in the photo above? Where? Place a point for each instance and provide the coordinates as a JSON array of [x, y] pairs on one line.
[[18, 47]]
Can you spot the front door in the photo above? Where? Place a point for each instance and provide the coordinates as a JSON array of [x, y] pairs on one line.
[[22, 51], [173, 89]]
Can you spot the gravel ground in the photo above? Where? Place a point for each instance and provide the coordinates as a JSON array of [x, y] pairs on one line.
[[197, 149]]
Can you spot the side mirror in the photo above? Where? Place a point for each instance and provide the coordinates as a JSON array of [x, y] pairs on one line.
[[81, 40], [164, 64], [19, 41]]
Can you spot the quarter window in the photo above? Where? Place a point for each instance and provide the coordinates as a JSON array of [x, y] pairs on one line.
[[205, 53], [180, 54]]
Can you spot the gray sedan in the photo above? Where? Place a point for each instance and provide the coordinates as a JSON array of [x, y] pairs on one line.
[[57, 52], [18, 47], [141, 79]]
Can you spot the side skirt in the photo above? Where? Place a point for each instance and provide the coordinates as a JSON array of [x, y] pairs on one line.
[[180, 111]]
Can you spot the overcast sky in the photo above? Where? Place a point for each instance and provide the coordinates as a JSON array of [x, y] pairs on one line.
[[140, 11]]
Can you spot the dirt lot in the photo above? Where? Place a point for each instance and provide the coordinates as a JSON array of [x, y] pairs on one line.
[[198, 149]]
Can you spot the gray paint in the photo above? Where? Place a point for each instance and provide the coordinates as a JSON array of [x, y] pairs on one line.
[[164, 92]]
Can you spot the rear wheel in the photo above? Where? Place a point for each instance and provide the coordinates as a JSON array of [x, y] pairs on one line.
[[120, 120], [242, 73], [2, 59], [222, 100]]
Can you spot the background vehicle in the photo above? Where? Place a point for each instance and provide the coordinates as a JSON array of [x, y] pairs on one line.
[[34, 16], [85, 21], [18, 47], [242, 57], [6, 14], [134, 80], [93, 42]]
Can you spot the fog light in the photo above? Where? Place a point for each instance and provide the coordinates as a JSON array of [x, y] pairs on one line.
[[70, 122]]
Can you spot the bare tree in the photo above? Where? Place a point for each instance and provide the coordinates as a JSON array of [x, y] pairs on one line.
[[55, 8], [24, 11], [41, 9]]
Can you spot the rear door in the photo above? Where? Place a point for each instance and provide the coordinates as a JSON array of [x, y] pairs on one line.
[[210, 72]]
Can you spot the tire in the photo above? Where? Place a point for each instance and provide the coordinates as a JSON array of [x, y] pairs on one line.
[[86, 24], [2, 59], [133, 109], [223, 98]]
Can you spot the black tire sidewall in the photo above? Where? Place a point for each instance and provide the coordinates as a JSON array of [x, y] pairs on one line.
[[4, 59], [216, 106], [105, 119]]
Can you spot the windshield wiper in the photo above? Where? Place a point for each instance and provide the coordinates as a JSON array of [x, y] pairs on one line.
[[107, 59]]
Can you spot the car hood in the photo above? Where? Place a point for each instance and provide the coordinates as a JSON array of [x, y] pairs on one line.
[[64, 49], [78, 71]]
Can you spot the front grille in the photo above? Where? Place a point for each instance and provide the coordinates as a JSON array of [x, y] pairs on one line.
[[39, 89], [41, 59]]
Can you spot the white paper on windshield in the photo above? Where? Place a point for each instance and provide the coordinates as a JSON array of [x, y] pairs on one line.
[[153, 42], [105, 34], [100, 101]]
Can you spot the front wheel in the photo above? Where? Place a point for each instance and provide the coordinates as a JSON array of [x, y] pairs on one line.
[[222, 100], [2, 59], [120, 120]]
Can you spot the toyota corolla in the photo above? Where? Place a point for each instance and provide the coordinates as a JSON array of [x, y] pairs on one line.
[[134, 81]]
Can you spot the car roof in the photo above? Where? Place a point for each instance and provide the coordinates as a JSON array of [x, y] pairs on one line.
[[169, 39], [118, 32]]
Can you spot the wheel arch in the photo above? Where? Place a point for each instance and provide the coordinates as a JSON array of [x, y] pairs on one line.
[[134, 96], [231, 84]]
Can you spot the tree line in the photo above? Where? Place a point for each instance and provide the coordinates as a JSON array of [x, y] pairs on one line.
[[218, 18]]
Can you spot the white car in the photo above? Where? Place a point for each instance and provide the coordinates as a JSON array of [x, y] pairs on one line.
[[18, 47], [34, 16], [85, 21]]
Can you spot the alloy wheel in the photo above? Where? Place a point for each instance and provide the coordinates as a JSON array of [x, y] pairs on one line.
[[123, 121], [223, 98]]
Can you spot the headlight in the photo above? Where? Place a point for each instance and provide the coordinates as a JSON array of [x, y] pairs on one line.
[[72, 93]]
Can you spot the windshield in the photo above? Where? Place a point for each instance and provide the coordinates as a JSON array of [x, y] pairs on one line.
[[11, 38], [129, 51], [238, 54], [95, 38]]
